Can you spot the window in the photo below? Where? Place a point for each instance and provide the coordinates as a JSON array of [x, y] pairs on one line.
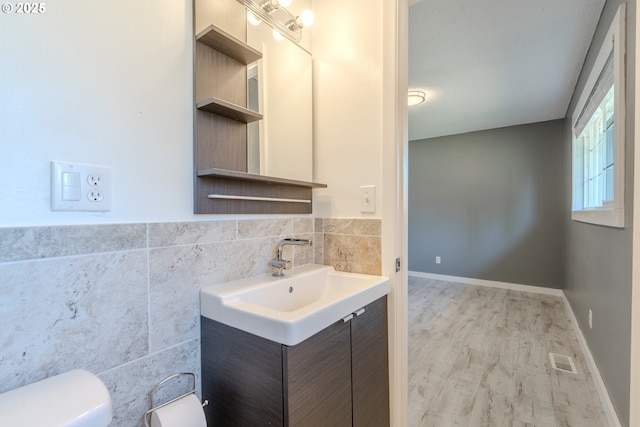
[[598, 136]]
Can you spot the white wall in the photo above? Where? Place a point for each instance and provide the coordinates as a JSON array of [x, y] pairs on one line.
[[107, 83], [111, 84], [347, 52]]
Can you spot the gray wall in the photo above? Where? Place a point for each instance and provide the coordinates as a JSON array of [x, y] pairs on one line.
[[598, 272], [490, 204]]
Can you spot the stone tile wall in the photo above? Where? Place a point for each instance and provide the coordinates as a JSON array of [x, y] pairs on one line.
[[352, 245], [122, 301]]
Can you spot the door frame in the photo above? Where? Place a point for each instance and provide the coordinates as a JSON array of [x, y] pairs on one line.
[[394, 39], [634, 391]]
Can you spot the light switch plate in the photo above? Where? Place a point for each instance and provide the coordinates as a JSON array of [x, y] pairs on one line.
[[368, 199], [80, 187]]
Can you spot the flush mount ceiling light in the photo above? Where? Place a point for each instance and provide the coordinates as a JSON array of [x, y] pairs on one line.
[[275, 14], [416, 97]]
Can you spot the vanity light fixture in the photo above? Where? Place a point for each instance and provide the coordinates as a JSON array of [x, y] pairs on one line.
[[305, 19], [275, 14], [253, 20], [416, 97], [277, 35], [271, 5]]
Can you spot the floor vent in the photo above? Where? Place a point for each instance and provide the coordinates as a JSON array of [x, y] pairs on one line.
[[562, 363]]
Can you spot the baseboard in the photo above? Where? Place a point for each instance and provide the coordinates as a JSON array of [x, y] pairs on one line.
[[607, 404], [603, 394], [490, 283]]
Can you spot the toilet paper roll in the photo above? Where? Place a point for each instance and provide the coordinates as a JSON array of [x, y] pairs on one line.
[[184, 412]]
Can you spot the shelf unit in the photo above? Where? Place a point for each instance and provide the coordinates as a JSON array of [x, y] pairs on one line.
[[229, 45], [222, 184], [226, 109]]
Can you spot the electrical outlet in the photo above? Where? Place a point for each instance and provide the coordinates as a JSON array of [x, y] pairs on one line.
[[94, 180], [95, 196], [590, 319], [438, 260], [80, 187]]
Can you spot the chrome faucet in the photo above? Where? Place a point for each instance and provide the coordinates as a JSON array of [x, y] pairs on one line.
[[278, 264]]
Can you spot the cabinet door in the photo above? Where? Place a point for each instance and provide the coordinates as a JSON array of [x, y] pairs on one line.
[[241, 377], [317, 379], [370, 355]]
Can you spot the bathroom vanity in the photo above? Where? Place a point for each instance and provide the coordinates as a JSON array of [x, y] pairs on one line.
[[337, 377]]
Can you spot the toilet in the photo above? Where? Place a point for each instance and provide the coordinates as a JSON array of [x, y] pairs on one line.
[[73, 399]]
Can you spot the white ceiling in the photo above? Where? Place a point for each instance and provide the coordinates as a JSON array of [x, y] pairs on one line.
[[492, 63]]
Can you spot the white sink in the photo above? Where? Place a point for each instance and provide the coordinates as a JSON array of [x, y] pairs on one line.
[[291, 308]]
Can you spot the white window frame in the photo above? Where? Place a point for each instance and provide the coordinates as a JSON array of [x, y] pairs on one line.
[[612, 214]]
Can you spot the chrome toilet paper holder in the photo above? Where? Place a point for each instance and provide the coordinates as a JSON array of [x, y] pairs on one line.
[[147, 415]]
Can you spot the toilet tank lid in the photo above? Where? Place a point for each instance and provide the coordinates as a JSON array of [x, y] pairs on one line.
[[73, 399]]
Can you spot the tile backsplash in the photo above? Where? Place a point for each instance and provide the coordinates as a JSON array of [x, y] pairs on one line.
[[353, 245], [122, 301]]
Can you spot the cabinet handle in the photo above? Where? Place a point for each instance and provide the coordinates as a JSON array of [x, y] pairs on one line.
[[349, 317], [359, 312]]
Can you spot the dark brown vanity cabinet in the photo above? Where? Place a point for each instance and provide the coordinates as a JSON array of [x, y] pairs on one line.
[[338, 377]]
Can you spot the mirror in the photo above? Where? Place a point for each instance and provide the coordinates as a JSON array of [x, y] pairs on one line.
[[280, 87]]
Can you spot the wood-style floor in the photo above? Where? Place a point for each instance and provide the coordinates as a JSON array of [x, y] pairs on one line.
[[479, 356]]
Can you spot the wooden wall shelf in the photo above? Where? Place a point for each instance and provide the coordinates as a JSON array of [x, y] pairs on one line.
[[231, 46], [229, 110], [242, 196], [228, 174]]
